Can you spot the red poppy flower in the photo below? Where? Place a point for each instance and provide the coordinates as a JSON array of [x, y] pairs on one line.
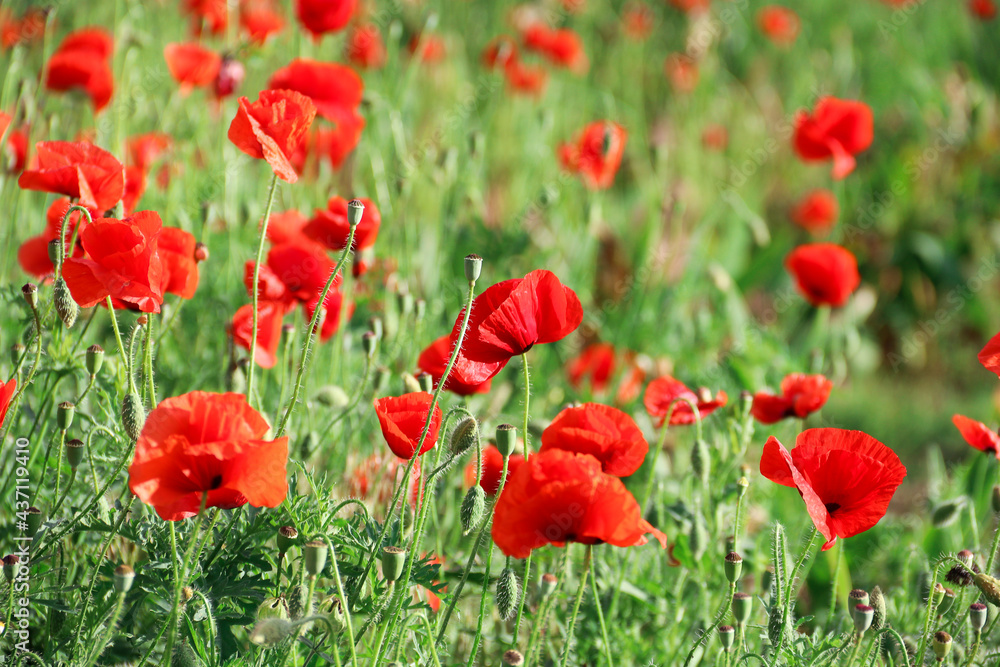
[[557, 497], [77, 169], [301, 269], [260, 20], [82, 61], [336, 311], [434, 359], [192, 65], [779, 24], [523, 78], [289, 227], [500, 52], [6, 394], [337, 143], [846, 478], [402, 419], [816, 212], [983, 9], [837, 130], [682, 72], [272, 128], [329, 226], [269, 316], [180, 267], [332, 87], [135, 188], [978, 434], [145, 149], [561, 47], [25, 29], [826, 273], [663, 391], [989, 356], [365, 48], [596, 361], [376, 478], [511, 317], [269, 285], [212, 14], [323, 16], [121, 262], [801, 395], [428, 48], [597, 154], [33, 255], [492, 469], [691, 6], [715, 137], [607, 434], [203, 443], [637, 20], [15, 148]]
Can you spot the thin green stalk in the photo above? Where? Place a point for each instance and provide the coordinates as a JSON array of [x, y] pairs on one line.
[[791, 596], [975, 649], [147, 363], [993, 551], [928, 617], [256, 285], [571, 625], [106, 635], [600, 616], [181, 580], [527, 561], [854, 652], [835, 579], [344, 605]]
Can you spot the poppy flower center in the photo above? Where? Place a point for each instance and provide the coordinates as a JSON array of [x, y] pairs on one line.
[[215, 483], [832, 507]]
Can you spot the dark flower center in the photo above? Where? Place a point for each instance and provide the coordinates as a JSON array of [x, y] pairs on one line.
[[215, 483], [832, 507]]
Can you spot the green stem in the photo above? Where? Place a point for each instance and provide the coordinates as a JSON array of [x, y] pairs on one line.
[[570, 626], [527, 562], [993, 551], [181, 581], [256, 287], [928, 617], [106, 635], [344, 605], [791, 595], [975, 650], [854, 652], [835, 579], [147, 364], [600, 616]]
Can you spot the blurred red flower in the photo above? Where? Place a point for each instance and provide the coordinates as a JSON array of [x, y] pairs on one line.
[[664, 391], [427, 48], [606, 433], [492, 469], [402, 419], [135, 187], [272, 128], [637, 20], [330, 228], [15, 149], [180, 266], [192, 65], [77, 169], [269, 316], [323, 16], [826, 273], [83, 61], [983, 9], [691, 6], [779, 24], [597, 154], [989, 356], [816, 212], [336, 312], [204, 443], [211, 14], [500, 52], [33, 255], [6, 394], [121, 261], [260, 20], [144, 149], [557, 497], [681, 71], [597, 361], [365, 48], [801, 395], [978, 434], [836, 129], [562, 47], [846, 478], [434, 359], [524, 78], [335, 89], [302, 269], [25, 29], [715, 137], [511, 317]]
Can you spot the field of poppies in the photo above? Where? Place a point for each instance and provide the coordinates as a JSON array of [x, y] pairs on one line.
[[454, 332]]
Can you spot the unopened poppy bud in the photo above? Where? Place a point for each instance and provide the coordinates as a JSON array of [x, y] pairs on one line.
[[465, 436], [513, 658], [55, 255], [184, 656], [133, 415], [508, 593], [855, 597], [34, 521], [947, 602], [863, 617], [200, 252], [141, 321], [698, 535], [506, 439], [315, 555], [287, 535], [236, 377], [701, 460], [995, 500], [230, 76], [332, 396], [94, 359], [742, 484], [66, 307], [877, 602], [355, 209], [942, 645], [30, 292], [937, 595], [16, 352], [273, 608], [75, 449], [426, 382], [369, 343], [124, 576], [727, 635], [11, 565], [734, 566], [411, 383], [473, 509], [473, 267], [65, 414], [978, 612], [270, 631], [393, 560], [946, 513], [547, 585], [776, 625], [742, 606]]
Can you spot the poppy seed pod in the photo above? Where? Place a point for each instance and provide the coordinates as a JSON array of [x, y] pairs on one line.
[[355, 209], [53, 249], [506, 439], [863, 617], [34, 521], [270, 631], [978, 613], [742, 484], [75, 449], [942, 645], [30, 293], [65, 414], [701, 460], [877, 602], [513, 658], [393, 560], [508, 593], [287, 535], [946, 603], [16, 352], [989, 587], [133, 415], [547, 585], [333, 609], [473, 267], [411, 384], [742, 606], [426, 382], [273, 608], [727, 635], [369, 343], [66, 307], [473, 509], [734, 566], [124, 576], [11, 565], [94, 359], [465, 436], [315, 554], [855, 597]]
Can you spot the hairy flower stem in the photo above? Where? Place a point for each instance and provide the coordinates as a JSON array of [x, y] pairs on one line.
[[834, 580], [106, 635], [790, 595], [256, 287], [929, 615], [527, 561], [181, 580], [991, 559], [147, 363], [570, 626]]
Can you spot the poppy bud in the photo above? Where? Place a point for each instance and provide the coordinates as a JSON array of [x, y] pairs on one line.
[[942, 645], [270, 631], [989, 587], [34, 521], [11, 565], [977, 616], [273, 608], [54, 253], [75, 450], [513, 658], [966, 556], [946, 513], [947, 602], [200, 252], [775, 625], [742, 484], [298, 601], [701, 460], [65, 414], [236, 377], [124, 576], [94, 359], [333, 609], [133, 415], [863, 617], [426, 382], [742, 606], [331, 396], [184, 656], [547, 585], [355, 209], [393, 560], [734, 566], [855, 597], [30, 292], [508, 593], [16, 352], [369, 343], [230, 76], [506, 439], [66, 307], [187, 593], [877, 602], [465, 435], [473, 509], [473, 267], [727, 635], [698, 535], [315, 555], [287, 536], [411, 384], [995, 499]]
